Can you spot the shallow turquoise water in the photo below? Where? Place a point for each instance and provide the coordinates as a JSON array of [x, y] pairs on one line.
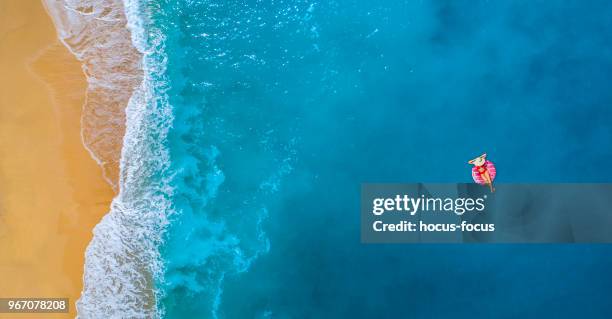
[[282, 108]]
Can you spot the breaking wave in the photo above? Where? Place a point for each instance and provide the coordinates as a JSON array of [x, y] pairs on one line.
[[123, 68], [176, 229]]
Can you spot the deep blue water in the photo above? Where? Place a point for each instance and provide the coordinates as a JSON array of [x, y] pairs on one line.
[[283, 108]]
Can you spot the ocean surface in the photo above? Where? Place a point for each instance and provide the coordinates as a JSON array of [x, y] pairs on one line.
[[257, 121]]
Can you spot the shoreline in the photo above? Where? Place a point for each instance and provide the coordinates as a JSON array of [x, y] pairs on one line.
[[50, 185], [112, 71]]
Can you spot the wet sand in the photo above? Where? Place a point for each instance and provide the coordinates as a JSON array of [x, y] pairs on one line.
[[52, 192]]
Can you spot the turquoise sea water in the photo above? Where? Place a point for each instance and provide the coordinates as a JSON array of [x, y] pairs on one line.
[[280, 109]]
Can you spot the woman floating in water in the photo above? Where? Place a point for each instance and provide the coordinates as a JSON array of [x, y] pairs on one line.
[[483, 171]]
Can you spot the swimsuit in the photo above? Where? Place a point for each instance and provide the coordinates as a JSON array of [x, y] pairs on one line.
[[479, 171]]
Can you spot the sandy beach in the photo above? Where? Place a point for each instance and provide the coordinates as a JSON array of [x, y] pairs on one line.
[[52, 192]]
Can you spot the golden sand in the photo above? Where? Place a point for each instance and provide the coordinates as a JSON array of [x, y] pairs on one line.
[[51, 191]]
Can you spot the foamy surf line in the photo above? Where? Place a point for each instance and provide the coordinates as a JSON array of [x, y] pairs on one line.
[[124, 274], [122, 261], [95, 32]]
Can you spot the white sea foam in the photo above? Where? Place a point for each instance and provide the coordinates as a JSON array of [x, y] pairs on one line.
[[94, 31], [122, 261]]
